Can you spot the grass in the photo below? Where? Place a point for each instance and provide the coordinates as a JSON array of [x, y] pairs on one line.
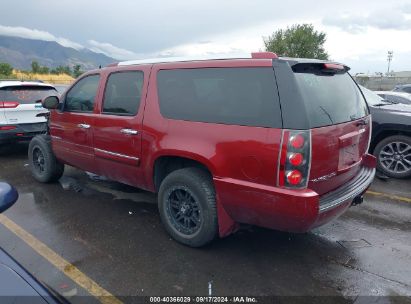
[[50, 78]]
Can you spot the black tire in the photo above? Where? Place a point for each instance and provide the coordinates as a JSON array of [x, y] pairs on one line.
[[44, 166], [199, 204], [390, 145]]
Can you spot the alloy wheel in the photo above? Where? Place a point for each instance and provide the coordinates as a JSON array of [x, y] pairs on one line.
[[395, 157], [183, 210]]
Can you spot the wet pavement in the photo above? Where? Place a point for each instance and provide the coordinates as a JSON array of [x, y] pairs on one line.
[[112, 233]]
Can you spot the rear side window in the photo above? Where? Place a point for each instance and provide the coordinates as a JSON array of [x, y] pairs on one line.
[[407, 89], [238, 96], [330, 98], [81, 97], [123, 93], [26, 94]]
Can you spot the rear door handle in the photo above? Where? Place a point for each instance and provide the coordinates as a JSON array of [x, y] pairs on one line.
[[129, 131], [83, 126]]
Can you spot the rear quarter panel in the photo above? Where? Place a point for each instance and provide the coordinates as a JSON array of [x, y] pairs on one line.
[[238, 152]]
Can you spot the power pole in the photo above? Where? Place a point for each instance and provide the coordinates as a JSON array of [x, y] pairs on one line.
[[389, 59]]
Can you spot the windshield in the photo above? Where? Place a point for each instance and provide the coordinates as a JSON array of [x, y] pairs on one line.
[[331, 98], [371, 97], [26, 94]]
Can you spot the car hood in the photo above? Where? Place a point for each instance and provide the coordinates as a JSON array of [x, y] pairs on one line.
[[14, 286]]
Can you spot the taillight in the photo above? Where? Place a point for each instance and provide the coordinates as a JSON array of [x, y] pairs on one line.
[[295, 158], [7, 128], [9, 104], [297, 141]]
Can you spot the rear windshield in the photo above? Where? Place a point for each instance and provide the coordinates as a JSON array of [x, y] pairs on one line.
[[331, 98], [26, 94]]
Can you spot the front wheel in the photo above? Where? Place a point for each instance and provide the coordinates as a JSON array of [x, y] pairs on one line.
[[187, 206], [394, 156], [44, 166]]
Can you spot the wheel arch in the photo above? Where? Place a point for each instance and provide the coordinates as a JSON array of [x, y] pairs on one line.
[[384, 134], [166, 163]]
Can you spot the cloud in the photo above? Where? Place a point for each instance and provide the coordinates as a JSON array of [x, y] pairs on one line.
[[99, 47], [111, 50], [406, 8], [24, 32], [394, 19]]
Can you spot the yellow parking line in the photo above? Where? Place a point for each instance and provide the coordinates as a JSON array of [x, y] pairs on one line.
[[391, 196], [60, 263]]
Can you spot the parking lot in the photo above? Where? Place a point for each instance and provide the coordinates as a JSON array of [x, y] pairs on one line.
[[86, 236]]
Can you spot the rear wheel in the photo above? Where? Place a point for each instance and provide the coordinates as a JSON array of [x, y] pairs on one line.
[[394, 156], [187, 206], [44, 166]]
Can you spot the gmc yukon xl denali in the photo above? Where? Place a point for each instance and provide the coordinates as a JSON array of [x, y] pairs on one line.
[[275, 142]]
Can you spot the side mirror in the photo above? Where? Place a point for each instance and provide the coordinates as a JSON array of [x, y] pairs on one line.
[[8, 196], [50, 102]]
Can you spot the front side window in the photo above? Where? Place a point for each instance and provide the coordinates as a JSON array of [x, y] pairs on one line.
[[236, 96], [123, 93], [81, 97]]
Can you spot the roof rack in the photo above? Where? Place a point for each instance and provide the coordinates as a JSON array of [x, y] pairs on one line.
[[256, 55]]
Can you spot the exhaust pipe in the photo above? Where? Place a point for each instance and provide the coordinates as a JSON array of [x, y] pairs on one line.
[[357, 200]]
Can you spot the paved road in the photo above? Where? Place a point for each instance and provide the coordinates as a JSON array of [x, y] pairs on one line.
[[113, 235]]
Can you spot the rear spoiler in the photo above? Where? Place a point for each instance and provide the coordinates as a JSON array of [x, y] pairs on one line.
[[322, 68]]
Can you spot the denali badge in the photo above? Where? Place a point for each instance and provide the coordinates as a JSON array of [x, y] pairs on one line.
[[323, 178]]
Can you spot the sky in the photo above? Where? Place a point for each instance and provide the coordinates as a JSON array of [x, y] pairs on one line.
[[359, 33]]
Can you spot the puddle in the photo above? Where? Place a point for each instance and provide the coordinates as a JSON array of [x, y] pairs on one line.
[[69, 183]]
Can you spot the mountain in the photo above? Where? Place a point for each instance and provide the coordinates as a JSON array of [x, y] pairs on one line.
[[20, 52]]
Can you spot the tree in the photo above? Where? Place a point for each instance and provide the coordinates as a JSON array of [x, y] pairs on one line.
[[5, 69], [299, 40], [61, 70], [35, 67], [44, 70], [77, 71]]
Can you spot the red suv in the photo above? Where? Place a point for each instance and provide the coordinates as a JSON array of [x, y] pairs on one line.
[[275, 142]]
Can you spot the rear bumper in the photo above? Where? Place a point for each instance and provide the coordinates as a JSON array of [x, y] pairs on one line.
[[22, 132], [289, 210], [355, 187]]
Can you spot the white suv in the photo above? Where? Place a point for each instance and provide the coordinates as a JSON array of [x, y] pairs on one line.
[[21, 109]]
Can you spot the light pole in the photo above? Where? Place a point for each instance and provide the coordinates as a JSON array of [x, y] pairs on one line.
[[389, 58]]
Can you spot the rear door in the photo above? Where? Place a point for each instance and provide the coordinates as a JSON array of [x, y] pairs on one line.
[[20, 104], [117, 129], [71, 128], [339, 122]]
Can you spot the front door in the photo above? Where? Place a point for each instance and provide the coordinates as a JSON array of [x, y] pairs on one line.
[[71, 128], [117, 130]]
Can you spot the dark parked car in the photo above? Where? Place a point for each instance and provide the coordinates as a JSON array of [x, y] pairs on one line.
[[403, 88], [275, 142], [391, 135], [16, 284], [395, 97]]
